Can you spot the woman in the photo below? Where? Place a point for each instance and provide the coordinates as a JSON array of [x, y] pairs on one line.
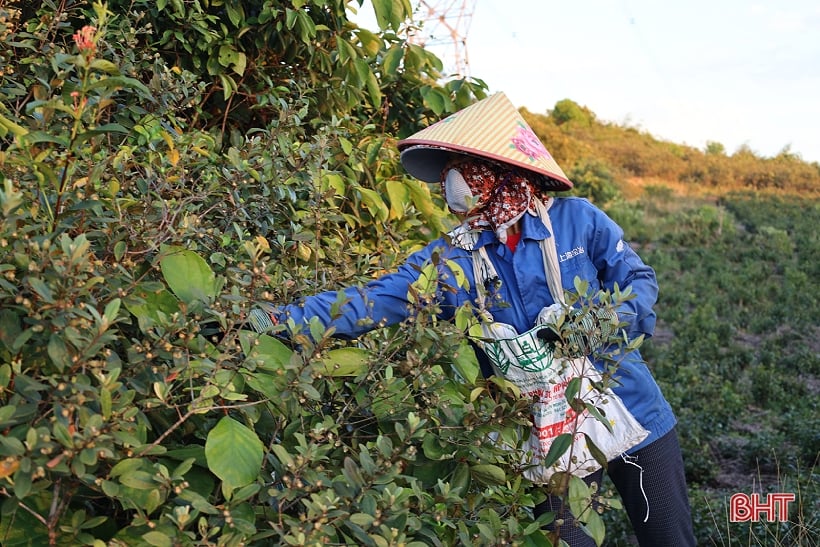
[[497, 176]]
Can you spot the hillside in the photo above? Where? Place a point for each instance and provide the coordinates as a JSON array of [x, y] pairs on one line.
[[636, 160]]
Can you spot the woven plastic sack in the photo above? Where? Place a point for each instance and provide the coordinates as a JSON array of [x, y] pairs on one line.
[[530, 363]]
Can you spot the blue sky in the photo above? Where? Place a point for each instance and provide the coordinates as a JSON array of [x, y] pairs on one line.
[[738, 73]]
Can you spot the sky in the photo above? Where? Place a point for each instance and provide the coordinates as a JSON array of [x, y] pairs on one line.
[[739, 73]]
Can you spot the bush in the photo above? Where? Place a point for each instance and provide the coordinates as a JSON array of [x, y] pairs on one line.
[[134, 239], [593, 180]]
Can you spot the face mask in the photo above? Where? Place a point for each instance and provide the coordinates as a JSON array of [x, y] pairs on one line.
[[457, 193]]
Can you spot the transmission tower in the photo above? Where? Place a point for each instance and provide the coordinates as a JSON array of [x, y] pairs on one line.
[[443, 27]]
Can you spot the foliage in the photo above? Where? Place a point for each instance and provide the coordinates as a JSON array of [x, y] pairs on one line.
[[131, 226], [254, 55], [593, 180], [567, 111], [736, 352], [164, 165]]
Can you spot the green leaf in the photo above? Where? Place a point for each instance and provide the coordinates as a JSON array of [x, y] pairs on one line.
[[227, 55], [151, 307], [111, 311], [595, 527], [461, 479], [6, 412], [42, 289], [344, 362], [466, 363], [423, 201], [392, 60], [282, 455], [592, 409], [596, 452], [435, 449], [105, 402], [269, 385], [188, 275], [458, 272], [346, 51], [573, 387], [58, 352], [11, 446], [118, 82], [269, 352], [371, 43], [105, 66], [290, 18], [373, 89], [37, 137], [399, 197], [435, 99], [139, 480], [8, 126], [127, 466], [334, 180], [390, 14], [234, 453], [373, 150], [22, 484], [228, 86], [580, 498], [109, 128], [306, 28], [240, 63], [157, 539], [488, 474], [385, 446], [235, 12], [352, 473], [119, 250], [188, 456], [560, 445], [362, 519]]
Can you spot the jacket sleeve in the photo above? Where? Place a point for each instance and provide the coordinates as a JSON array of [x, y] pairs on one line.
[[354, 311], [617, 262]]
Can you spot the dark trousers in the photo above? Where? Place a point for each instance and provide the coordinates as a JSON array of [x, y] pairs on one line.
[[652, 486]]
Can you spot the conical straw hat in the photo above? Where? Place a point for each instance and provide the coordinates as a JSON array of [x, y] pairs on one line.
[[491, 129]]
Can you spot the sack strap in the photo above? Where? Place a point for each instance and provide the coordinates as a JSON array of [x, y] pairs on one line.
[[549, 252]]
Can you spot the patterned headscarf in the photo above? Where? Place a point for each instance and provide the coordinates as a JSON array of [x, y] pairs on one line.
[[492, 195]]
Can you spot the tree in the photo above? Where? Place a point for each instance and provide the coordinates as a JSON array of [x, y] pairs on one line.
[[567, 111], [715, 148]]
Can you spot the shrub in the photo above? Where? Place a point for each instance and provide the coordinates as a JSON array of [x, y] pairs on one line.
[[594, 181], [134, 239]]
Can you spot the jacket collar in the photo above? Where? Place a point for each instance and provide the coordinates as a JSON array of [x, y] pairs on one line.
[[471, 239]]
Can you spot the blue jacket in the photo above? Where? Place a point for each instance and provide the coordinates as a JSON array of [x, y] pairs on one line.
[[590, 246]]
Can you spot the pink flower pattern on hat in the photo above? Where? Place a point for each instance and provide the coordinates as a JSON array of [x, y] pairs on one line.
[[529, 144]]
